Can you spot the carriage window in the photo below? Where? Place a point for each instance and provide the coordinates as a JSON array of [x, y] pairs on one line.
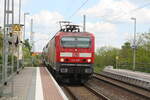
[[82, 42]]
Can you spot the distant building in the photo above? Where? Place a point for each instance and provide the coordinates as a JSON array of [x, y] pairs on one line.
[[36, 53]]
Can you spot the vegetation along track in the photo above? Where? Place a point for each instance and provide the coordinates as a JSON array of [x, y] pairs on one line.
[[83, 92], [117, 90]]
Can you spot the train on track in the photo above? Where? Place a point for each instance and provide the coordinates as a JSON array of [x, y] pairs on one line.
[[69, 55]]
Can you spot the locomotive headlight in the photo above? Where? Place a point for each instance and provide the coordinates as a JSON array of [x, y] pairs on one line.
[[89, 60], [62, 60]]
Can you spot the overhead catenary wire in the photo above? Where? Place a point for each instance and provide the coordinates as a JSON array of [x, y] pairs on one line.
[[142, 6], [114, 17], [133, 10], [78, 8]]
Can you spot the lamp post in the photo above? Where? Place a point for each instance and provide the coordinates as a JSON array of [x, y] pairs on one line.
[[18, 60], [19, 11], [84, 23], [134, 45], [24, 33], [25, 25]]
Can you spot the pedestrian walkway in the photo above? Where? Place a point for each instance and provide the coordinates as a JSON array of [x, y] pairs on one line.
[[33, 83]]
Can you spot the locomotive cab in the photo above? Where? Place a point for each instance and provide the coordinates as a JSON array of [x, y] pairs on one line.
[[76, 54]]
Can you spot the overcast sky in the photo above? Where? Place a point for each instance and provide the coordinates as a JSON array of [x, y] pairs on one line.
[[109, 20]]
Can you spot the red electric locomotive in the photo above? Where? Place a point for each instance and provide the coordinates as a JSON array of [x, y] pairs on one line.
[[70, 54]]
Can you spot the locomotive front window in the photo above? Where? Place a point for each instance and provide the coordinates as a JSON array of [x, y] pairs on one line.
[[80, 42]]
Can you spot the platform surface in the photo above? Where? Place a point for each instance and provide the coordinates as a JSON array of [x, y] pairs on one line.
[[33, 83], [140, 75]]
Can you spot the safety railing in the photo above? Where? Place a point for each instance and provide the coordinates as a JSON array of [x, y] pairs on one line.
[[139, 67]]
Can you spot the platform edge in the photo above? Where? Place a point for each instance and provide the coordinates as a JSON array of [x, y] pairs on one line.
[[56, 84]]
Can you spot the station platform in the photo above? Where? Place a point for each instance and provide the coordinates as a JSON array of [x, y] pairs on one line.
[[133, 74], [136, 74], [33, 83], [136, 78]]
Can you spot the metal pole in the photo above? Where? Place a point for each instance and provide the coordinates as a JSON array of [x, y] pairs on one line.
[[134, 44], [8, 22], [5, 44], [24, 32], [18, 57], [19, 11], [31, 39], [12, 35], [24, 36], [4, 41], [12, 48], [7, 32], [117, 61], [84, 23], [116, 64], [25, 25], [18, 61]]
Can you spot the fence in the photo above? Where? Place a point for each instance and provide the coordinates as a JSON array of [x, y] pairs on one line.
[[32, 62], [138, 67]]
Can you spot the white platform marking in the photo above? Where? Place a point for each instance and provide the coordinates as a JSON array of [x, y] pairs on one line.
[[39, 89]]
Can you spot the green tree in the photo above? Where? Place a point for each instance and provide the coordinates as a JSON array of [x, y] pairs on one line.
[[125, 56], [142, 54], [27, 45], [105, 56], [27, 53]]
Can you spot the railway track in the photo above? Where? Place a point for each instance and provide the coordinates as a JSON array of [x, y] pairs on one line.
[[133, 91], [100, 87], [83, 93]]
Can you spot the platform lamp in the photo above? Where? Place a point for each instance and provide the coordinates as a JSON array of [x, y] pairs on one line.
[[25, 14], [134, 43]]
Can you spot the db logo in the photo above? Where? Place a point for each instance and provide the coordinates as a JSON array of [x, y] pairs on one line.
[[75, 54]]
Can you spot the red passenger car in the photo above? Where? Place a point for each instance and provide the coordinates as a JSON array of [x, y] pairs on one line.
[[70, 54]]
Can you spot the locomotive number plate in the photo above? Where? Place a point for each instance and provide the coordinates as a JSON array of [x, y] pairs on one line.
[[75, 54]]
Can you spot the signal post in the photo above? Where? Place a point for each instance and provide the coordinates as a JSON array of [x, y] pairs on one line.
[[17, 28]]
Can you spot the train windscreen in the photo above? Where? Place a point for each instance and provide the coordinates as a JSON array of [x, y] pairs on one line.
[[76, 42]]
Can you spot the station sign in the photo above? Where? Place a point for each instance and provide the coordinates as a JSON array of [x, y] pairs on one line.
[[16, 27], [34, 54]]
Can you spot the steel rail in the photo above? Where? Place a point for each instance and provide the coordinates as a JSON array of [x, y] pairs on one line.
[[96, 92], [123, 85], [70, 93]]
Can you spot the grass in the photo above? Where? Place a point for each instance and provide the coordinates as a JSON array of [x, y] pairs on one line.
[[97, 69]]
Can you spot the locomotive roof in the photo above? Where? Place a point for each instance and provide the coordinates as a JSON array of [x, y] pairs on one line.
[[70, 28], [74, 34]]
